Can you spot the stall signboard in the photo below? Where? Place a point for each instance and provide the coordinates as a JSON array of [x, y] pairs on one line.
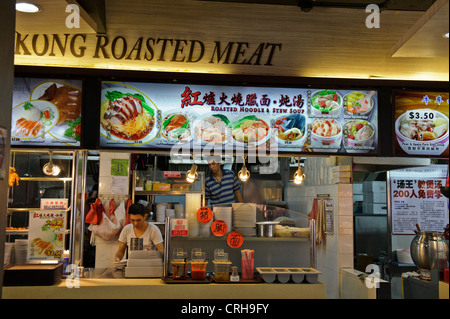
[[46, 112], [46, 234], [232, 118], [416, 199], [421, 123]]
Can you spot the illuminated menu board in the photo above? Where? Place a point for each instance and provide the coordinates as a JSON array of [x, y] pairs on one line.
[[46, 112], [421, 123], [290, 120]]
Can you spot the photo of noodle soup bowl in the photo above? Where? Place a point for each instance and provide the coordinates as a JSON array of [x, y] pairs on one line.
[[420, 136], [249, 130], [358, 136], [326, 102], [326, 135]]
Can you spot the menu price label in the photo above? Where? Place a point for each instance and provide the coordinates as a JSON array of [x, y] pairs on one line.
[[421, 123], [416, 199]]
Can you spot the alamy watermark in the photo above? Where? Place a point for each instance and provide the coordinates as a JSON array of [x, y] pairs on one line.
[[373, 19]]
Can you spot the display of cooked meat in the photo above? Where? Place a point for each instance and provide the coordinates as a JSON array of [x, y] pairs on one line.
[[27, 128], [41, 246], [176, 122], [67, 99], [123, 109]]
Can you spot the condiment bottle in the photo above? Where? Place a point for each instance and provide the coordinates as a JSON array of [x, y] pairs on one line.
[[234, 274]]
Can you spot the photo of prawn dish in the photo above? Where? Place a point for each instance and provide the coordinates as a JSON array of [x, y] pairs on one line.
[[126, 114], [359, 103], [326, 102], [213, 129], [290, 128], [176, 127], [67, 98], [32, 119], [359, 136], [249, 129], [326, 134]]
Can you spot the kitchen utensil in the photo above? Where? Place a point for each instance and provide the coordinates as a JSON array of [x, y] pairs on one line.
[[266, 229]]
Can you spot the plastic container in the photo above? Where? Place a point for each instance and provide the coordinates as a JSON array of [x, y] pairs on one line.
[[179, 269], [179, 264], [222, 270], [198, 270], [198, 264]]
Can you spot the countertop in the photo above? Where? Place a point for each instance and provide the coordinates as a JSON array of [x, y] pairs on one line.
[[110, 284]]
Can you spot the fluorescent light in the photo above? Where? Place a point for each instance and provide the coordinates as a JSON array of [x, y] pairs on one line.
[[446, 35], [27, 7]]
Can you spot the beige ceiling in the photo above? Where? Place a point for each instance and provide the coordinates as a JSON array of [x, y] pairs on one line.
[[325, 42]]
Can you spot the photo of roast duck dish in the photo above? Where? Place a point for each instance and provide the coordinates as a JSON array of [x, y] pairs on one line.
[[67, 99], [177, 127], [32, 119], [126, 114]]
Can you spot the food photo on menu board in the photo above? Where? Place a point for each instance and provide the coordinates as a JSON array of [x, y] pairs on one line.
[[421, 123], [46, 112], [158, 116]]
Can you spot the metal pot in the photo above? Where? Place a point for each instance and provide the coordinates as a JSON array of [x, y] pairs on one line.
[[427, 249], [266, 229]]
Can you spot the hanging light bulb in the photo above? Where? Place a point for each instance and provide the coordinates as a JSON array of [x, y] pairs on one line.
[[244, 173], [299, 175], [50, 168], [192, 174]]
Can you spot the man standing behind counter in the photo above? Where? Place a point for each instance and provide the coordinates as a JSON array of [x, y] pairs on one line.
[[222, 185], [139, 228]]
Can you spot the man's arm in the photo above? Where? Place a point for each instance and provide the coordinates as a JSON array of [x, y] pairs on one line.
[[238, 195], [120, 252], [160, 248]]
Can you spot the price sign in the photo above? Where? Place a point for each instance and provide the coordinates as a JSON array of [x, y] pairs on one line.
[[46, 234], [235, 239], [204, 215], [179, 227], [219, 228], [424, 114]]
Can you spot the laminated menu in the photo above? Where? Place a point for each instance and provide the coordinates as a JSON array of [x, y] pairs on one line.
[[46, 234]]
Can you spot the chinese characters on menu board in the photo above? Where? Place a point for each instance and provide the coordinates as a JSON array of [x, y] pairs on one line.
[[416, 198], [46, 112], [421, 123], [159, 116]]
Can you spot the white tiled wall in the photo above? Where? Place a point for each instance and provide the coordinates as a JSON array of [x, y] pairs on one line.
[[336, 251], [106, 250]]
